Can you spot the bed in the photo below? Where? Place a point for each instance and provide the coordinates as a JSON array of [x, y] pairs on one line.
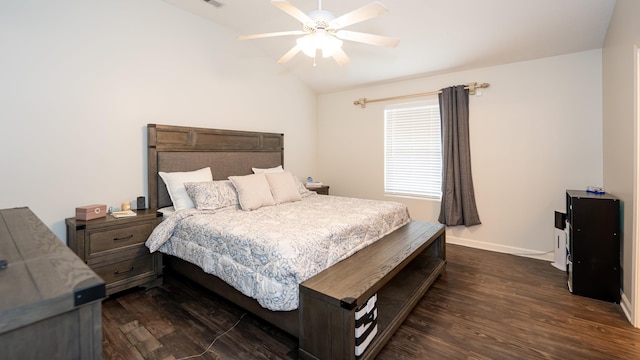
[[396, 264]]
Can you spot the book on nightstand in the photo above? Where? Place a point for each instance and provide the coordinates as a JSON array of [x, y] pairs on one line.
[[125, 213]]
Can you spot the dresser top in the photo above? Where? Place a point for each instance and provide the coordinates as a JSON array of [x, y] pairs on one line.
[[589, 195], [43, 277]]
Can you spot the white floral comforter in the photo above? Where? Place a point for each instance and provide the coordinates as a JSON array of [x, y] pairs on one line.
[[267, 252]]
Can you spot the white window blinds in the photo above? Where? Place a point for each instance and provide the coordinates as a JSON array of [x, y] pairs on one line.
[[413, 150]]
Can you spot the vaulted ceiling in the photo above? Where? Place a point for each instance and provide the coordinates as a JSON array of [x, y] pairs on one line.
[[436, 36]]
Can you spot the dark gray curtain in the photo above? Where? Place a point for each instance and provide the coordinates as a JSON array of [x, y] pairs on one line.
[[458, 206]]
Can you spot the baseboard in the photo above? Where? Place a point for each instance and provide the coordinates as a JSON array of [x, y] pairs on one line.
[[549, 256], [625, 304]]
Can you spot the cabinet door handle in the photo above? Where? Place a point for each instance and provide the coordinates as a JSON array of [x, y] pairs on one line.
[[118, 272], [123, 238]]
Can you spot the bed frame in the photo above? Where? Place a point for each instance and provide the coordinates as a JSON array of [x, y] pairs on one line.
[[400, 267]]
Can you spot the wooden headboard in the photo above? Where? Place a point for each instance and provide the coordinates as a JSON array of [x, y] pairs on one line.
[[227, 152]]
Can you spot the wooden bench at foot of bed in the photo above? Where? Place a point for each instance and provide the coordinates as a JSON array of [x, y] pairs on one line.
[[400, 268]]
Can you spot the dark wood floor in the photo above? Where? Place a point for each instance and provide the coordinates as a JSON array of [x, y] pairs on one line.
[[486, 306]]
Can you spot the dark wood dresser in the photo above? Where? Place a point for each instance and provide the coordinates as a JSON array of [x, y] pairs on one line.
[[115, 249], [50, 306]]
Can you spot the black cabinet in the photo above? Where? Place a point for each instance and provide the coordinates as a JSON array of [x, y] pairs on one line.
[[593, 222]]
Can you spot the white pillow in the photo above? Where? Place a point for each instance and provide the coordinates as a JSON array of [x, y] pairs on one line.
[[253, 191], [276, 169], [175, 185], [283, 187]]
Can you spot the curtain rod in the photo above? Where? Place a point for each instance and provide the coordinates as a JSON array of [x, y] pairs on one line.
[[470, 86]]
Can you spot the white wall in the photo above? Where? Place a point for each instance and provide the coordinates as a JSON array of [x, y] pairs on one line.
[[620, 142], [535, 132], [81, 79]]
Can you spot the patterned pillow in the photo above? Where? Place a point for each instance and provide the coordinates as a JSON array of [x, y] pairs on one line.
[[302, 188], [212, 195]]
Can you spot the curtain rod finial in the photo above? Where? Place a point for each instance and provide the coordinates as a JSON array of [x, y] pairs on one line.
[[362, 102], [472, 88], [474, 85]]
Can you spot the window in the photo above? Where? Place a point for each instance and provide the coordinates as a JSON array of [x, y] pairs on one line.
[[413, 149]]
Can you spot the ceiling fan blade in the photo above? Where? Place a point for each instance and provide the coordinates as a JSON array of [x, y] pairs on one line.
[[341, 57], [266, 35], [290, 54], [360, 14], [365, 38], [292, 10]]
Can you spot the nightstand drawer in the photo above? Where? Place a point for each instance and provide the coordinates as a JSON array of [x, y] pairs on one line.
[[321, 190], [126, 269], [117, 238]]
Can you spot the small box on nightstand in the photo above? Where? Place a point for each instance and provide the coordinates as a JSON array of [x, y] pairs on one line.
[[90, 212]]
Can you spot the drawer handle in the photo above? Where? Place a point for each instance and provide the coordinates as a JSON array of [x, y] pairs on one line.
[[118, 272], [123, 238]]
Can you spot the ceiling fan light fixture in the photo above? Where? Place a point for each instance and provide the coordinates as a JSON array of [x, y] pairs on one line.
[[307, 44], [330, 46], [319, 40], [321, 30]]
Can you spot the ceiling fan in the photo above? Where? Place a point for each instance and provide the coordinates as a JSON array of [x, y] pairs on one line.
[[322, 31]]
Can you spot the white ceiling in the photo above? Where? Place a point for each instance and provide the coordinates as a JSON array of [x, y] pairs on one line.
[[436, 36]]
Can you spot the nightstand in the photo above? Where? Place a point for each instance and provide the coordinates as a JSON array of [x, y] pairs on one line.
[[115, 250], [321, 190]]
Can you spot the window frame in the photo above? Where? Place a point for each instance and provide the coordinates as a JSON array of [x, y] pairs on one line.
[[413, 161]]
